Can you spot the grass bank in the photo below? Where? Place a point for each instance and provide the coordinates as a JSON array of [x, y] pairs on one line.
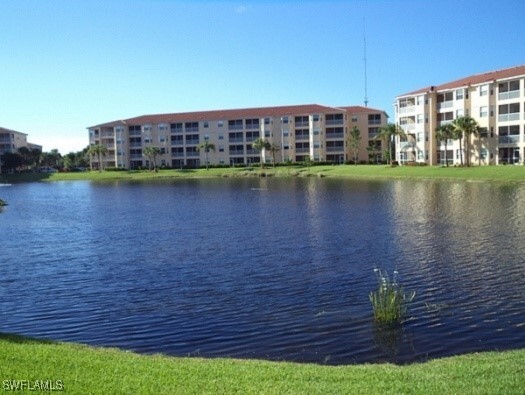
[[82, 369], [477, 173]]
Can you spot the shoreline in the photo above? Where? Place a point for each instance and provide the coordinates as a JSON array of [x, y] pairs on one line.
[[360, 172]]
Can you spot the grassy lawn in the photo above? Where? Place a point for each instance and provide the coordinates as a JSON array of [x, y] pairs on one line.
[[82, 369], [477, 173]]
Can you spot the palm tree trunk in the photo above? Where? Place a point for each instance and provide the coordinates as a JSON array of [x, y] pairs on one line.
[[446, 158]]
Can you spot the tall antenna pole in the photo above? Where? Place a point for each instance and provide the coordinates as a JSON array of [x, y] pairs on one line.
[[366, 82]]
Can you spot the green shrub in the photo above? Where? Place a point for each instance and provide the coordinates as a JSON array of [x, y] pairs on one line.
[[389, 300]]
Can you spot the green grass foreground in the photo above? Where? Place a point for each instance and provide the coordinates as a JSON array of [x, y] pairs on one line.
[[82, 369], [475, 173]]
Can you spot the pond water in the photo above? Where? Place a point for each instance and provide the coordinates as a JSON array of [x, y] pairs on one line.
[[276, 269]]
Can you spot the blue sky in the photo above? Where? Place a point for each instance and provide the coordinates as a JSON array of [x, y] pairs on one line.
[[69, 64]]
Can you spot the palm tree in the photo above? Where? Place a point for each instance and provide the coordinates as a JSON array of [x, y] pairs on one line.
[[206, 146], [151, 153], [387, 133], [444, 133], [261, 144], [465, 127], [273, 149], [99, 151], [354, 141]]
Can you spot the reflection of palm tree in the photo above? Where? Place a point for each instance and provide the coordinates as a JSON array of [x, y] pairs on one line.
[[444, 133], [465, 127], [206, 146], [99, 151], [151, 153], [387, 133], [260, 145]]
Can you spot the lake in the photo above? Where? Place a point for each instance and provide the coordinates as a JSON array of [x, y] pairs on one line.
[[275, 268]]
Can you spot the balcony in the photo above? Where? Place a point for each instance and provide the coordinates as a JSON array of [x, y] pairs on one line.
[[445, 104], [404, 110], [508, 139], [335, 149], [177, 142], [135, 145], [334, 122], [300, 137], [302, 124], [135, 132], [237, 152], [235, 127], [515, 116], [330, 136], [192, 141], [192, 153], [509, 95], [236, 140]]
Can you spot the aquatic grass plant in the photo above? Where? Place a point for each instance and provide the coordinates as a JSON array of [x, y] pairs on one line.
[[389, 300]]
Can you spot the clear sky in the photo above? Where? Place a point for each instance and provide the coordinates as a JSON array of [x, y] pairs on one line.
[[69, 64]]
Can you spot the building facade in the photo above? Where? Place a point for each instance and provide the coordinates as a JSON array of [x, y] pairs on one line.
[[299, 132], [11, 141], [496, 100]]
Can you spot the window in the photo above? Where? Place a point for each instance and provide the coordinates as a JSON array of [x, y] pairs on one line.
[[266, 121], [235, 124], [252, 123], [221, 148], [162, 139], [459, 113], [419, 118], [162, 126], [176, 127], [316, 118], [419, 100], [206, 124], [483, 132], [284, 120], [509, 90], [354, 118], [221, 136], [483, 90], [443, 97], [206, 137], [146, 128], [483, 111], [267, 133], [509, 112], [483, 153], [459, 94], [374, 119], [220, 124], [334, 119], [191, 127]]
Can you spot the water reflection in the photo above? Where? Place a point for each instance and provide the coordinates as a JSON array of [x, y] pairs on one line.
[[266, 268]]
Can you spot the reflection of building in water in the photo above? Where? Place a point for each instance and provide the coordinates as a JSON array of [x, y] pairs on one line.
[[493, 99]]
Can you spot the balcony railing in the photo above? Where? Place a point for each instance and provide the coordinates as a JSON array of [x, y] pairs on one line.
[[508, 139], [192, 141], [236, 139], [192, 153], [445, 104], [237, 152], [515, 116], [177, 154], [302, 137], [135, 145], [403, 110], [177, 142], [334, 122], [302, 150], [334, 135], [335, 149], [235, 127], [302, 124], [509, 95], [408, 126]]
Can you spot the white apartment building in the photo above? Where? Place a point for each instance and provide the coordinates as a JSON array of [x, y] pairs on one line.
[[496, 100], [312, 131]]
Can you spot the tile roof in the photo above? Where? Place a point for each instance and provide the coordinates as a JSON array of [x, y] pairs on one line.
[[257, 112], [474, 80]]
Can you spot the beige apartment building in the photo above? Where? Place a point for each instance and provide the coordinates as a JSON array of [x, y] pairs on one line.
[[312, 131], [11, 141], [496, 100]]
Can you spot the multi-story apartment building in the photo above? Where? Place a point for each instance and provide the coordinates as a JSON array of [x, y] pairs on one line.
[[496, 100], [311, 131], [11, 141]]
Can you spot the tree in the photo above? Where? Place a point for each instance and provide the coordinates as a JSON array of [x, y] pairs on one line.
[[387, 134], [444, 133], [206, 146], [354, 142], [261, 144], [273, 149], [99, 151], [464, 128], [151, 153], [51, 158]]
